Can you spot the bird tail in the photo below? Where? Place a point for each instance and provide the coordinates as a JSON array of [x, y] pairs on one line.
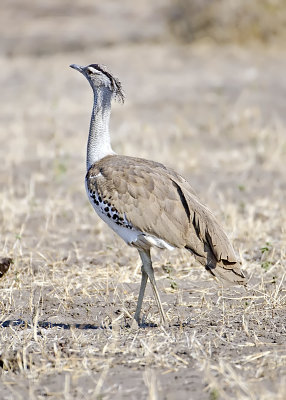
[[228, 273]]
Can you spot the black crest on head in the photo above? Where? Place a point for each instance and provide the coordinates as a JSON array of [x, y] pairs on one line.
[[114, 82]]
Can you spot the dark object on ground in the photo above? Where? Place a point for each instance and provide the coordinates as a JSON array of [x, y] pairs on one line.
[[5, 263]]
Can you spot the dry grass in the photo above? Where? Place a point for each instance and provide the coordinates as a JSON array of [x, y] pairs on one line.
[[67, 300], [223, 21]]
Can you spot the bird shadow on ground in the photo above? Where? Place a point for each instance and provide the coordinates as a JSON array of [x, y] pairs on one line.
[[46, 325]]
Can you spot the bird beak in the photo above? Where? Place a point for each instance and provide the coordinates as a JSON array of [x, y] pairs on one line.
[[77, 67]]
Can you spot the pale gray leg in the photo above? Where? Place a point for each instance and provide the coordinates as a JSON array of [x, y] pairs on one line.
[[144, 279], [147, 271]]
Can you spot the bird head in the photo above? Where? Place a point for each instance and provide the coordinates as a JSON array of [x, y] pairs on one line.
[[99, 77]]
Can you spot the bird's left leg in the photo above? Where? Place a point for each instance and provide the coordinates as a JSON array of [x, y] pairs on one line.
[[144, 279], [147, 267]]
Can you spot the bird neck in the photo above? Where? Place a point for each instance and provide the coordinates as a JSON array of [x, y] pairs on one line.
[[98, 145]]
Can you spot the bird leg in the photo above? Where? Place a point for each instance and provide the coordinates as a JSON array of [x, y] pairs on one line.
[[148, 272], [144, 279]]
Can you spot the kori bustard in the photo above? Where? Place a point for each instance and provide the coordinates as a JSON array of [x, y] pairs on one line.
[[144, 202]]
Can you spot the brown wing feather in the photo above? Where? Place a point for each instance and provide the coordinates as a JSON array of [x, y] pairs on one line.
[[218, 255], [159, 202], [141, 190]]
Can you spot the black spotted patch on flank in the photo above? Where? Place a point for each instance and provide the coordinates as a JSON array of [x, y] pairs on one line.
[[107, 209]]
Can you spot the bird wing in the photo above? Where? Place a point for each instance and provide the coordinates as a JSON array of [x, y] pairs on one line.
[[159, 202], [210, 232], [141, 191]]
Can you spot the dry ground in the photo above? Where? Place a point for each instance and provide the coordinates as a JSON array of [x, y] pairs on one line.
[[215, 114]]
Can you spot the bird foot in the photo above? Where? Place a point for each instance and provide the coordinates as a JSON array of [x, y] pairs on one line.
[[135, 325]]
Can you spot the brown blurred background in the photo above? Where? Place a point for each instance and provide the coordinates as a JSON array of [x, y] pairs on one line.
[[47, 27]]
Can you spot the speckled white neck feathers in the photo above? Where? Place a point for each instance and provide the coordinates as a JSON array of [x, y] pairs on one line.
[[98, 145]]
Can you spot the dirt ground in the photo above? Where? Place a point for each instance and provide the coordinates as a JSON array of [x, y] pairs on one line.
[[214, 113]]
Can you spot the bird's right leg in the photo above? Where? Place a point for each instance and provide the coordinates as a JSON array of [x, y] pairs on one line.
[[148, 269]]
